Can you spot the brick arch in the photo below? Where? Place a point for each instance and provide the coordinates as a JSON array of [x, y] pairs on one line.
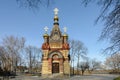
[[54, 53]]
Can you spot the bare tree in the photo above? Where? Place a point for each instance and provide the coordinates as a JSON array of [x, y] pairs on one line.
[[4, 59], [34, 4], [110, 14], [12, 47], [81, 52], [94, 65], [13, 57], [84, 66], [77, 50], [72, 53], [113, 62], [90, 65], [34, 57]]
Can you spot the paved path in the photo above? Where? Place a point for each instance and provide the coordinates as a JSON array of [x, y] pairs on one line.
[[90, 77], [95, 77]]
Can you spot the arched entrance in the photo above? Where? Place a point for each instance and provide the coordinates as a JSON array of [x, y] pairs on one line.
[[56, 62], [55, 68]]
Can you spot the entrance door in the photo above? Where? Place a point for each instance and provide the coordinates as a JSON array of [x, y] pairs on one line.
[[55, 67]]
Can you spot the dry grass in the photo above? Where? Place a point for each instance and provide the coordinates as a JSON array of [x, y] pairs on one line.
[[118, 78]]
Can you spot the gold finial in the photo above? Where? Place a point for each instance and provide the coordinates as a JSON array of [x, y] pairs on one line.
[[56, 19]]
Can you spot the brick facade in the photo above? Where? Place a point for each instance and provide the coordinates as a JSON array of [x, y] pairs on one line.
[[55, 50]]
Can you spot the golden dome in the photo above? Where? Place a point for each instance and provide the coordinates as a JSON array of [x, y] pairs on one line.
[[45, 35], [65, 35]]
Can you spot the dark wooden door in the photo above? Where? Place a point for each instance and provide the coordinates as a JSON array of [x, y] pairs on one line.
[[55, 68]]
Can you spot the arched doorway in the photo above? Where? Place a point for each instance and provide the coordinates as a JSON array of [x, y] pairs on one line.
[[56, 62], [55, 68]]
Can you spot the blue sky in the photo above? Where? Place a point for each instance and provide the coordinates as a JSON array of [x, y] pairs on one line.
[[79, 20]]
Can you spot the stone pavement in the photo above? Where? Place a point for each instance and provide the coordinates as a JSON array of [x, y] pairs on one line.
[[90, 77], [95, 77]]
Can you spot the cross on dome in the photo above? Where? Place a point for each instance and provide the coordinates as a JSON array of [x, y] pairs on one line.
[[56, 11], [46, 29], [65, 29]]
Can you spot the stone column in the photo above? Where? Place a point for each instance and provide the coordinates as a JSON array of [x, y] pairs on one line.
[[61, 65], [50, 65], [66, 67]]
